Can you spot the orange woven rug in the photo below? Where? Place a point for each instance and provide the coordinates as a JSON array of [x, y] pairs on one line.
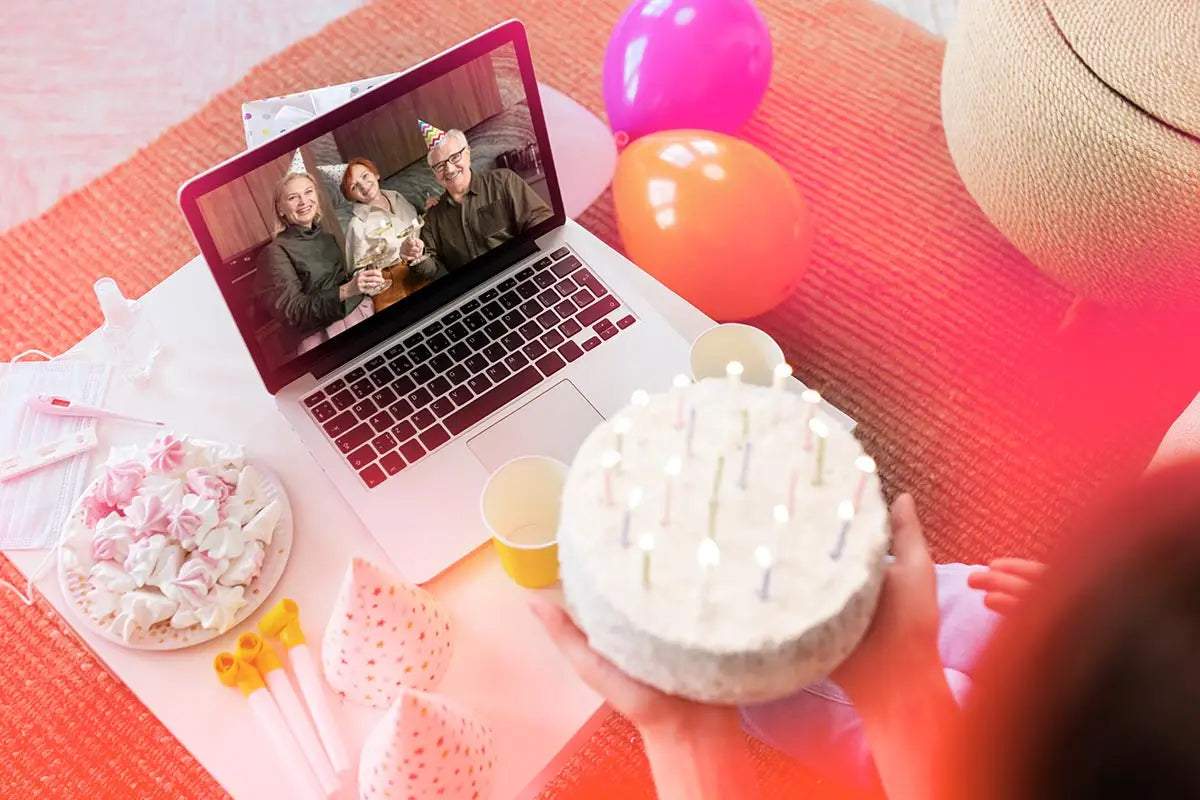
[[915, 316]]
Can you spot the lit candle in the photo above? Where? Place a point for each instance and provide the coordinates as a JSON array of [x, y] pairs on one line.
[[813, 398], [640, 398], [782, 516], [745, 425], [733, 371], [846, 515], [621, 427], [821, 431], [609, 461], [672, 469], [782, 373], [691, 429], [763, 556], [712, 519], [745, 465], [709, 555], [646, 543], [717, 479], [865, 465], [680, 383], [635, 500]]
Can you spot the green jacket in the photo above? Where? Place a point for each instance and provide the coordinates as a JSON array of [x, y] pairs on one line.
[[298, 278]]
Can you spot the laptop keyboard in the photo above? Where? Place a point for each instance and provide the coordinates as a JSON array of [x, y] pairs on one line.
[[399, 406]]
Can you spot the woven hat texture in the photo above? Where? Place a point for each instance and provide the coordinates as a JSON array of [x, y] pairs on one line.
[[1075, 125]]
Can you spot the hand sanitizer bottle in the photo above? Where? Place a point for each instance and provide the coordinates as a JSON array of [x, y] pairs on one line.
[[129, 340]]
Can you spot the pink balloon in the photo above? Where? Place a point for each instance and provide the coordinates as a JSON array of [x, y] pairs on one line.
[[686, 64]]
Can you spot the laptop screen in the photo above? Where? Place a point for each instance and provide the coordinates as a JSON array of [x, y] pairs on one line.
[[352, 219]]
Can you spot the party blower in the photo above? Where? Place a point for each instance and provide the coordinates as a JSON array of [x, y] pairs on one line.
[[283, 620], [242, 675], [252, 649]]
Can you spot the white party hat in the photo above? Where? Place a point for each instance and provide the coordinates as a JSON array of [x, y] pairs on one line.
[[297, 165]]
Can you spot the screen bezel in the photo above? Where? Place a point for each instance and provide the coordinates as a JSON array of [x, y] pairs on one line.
[[404, 313]]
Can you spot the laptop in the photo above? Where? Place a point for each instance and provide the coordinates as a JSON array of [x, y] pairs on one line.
[[505, 331]]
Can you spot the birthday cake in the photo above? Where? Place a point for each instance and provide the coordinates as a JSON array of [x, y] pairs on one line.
[[171, 536], [722, 541]]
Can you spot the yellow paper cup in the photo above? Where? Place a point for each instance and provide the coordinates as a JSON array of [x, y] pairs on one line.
[[733, 341], [520, 507]]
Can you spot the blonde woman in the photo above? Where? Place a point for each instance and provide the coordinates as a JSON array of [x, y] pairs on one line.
[[301, 278], [383, 215]]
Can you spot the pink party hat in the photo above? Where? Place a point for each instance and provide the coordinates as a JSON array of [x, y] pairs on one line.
[[384, 635], [433, 136], [426, 746]]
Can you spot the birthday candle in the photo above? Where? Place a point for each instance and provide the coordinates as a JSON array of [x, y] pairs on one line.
[[846, 515], [821, 430], [634, 500], [865, 465], [673, 468], [691, 429], [712, 519], [782, 373], [791, 496], [763, 556], [745, 465], [717, 479], [745, 425], [782, 516], [733, 371], [813, 399], [640, 398], [646, 543], [709, 555], [680, 383], [609, 461], [621, 427]]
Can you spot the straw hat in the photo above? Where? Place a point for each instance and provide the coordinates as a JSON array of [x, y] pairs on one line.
[[1075, 124]]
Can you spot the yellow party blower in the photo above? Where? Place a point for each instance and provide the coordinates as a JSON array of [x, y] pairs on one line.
[[252, 649], [283, 620], [242, 675]]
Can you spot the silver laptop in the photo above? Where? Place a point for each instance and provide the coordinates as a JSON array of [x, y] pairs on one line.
[[501, 332]]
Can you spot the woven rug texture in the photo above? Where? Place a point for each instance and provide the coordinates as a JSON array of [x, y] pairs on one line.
[[915, 316]]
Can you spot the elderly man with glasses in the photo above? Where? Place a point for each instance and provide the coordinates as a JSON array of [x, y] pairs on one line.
[[478, 210]]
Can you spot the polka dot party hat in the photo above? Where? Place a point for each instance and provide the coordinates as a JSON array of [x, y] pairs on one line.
[[384, 635], [426, 747], [297, 165], [433, 136]]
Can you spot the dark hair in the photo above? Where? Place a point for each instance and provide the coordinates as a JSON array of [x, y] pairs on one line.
[[356, 162], [1092, 689]]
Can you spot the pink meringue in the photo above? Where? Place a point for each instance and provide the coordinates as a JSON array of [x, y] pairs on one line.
[[197, 575], [166, 453], [206, 484], [147, 516], [95, 509], [120, 483], [183, 523], [112, 539]]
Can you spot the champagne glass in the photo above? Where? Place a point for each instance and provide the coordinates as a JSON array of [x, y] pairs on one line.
[[411, 232], [376, 249]]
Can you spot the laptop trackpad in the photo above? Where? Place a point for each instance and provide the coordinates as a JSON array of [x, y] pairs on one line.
[[552, 424]]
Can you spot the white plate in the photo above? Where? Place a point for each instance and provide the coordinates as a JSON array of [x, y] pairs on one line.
[[161, 636]]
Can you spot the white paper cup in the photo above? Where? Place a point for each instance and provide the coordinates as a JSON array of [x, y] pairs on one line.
[[733, 341], [520, 506]]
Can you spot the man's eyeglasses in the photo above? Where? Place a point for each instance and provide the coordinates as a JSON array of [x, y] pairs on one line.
[[455, 158]]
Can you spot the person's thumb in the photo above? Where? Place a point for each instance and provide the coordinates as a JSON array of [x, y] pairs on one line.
[[908, 538]]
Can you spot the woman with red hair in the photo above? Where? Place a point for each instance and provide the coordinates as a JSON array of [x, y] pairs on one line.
[[381, 215]]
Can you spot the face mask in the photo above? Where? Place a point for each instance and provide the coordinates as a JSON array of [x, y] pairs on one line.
[[34, 507]]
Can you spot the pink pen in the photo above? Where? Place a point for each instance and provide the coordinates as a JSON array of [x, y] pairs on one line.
[[62, 407]]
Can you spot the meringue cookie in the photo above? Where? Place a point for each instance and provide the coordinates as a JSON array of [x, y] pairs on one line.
[[95, 509], [196, 576], [110, 577], [119, 483], [205, 483], [221, 607], [140, 609], [262, 527], [166, 569], [166, 453], [112, 538], [224, 541], [103, 602], [185, 617], [147, 515], [248, 496], [245, 567], [167, 489], [143, 557], [192, 519]]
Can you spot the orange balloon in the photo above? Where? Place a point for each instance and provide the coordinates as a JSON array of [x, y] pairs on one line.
[[713, 218]]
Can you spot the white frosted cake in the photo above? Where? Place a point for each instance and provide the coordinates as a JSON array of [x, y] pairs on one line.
[[737, 602]]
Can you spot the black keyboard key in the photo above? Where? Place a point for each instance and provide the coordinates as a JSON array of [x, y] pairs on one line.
[[559, 253], [570, 327], [565, 287], [361, 457], [512, 319], [597, 310], [364, 408], [570, 351], [515, 361], [324, 411], [474, 321], [461, 396], [438, 342], [589, 280], [343, 399], [382, 376], [392, 463], [547, 319], [469, 306], [552, 339], [492, 311], [423, 419], [432, 328], [439, 386], [400, 409], [510, 300], [476, 363], [382, 421], [543, 280], [394, 351], [512, 341], [314, 398], [384, 442], [533, 350], [494, 352], [354, 374], [565, 309], [420, 398], [441, 362], [530, 330], [550, 364], [434, 438], [458, 374], [340, 424], [525, 273], [374, 363], [412, 450], [497, 373], [372, 476], [495, 330], [422, 374], [400, 365], [441, 407], [479, 384], [383, 398], [548, 298], [403, 385], [457, 332], [591, 343], [542, 263], [492, 400], [419, 354], [526, 290], [507, 284], [530, 309], [566, 266], [451, 316], [414, 340], [583, 298], [489, 295], [477, 340], [363, 388], [459, 352], [335, 386], [403, 431], [355, 438]]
